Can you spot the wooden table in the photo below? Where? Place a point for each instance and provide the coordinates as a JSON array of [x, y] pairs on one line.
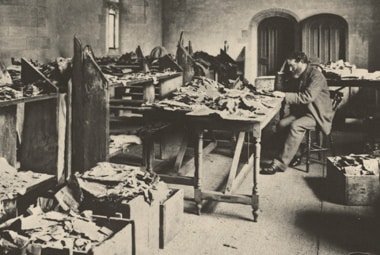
[[145, 90], [360, 83], [198, 124]]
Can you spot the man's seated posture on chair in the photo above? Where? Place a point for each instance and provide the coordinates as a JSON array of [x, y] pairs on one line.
[[310, 105]]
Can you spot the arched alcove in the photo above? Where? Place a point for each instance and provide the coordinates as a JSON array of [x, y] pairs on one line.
[[251, 67], [325, 37]]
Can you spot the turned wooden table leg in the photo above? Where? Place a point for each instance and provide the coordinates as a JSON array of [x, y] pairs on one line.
[[148, 153], [198, 171], [256, 169]]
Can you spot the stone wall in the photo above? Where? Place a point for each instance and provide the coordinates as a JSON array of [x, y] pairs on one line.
[[44, 29], [208, 23]]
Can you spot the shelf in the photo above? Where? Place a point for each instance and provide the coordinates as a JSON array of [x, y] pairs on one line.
[[27, 100]]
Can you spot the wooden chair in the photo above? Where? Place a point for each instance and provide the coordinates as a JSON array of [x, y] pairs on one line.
[[320, 146]]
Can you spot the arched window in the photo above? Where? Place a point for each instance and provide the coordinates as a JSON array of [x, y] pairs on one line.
[[324, 37], [112, 28]]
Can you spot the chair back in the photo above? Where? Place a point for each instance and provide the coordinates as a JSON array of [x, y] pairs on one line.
[[336, 97]]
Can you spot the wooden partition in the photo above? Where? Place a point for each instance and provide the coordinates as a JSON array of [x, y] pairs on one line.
[[90, 110], [40, 149], [30, 127]]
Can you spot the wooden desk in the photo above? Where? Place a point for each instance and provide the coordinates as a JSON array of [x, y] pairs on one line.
[[200, 123], [354, 83], [360, 83]]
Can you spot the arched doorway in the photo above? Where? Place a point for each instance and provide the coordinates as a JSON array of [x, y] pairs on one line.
[[276, 38], [324, 37], [252, 52]]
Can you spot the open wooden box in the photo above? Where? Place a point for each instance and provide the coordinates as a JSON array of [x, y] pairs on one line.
[[119, 243], [145, 218], [351, 190]]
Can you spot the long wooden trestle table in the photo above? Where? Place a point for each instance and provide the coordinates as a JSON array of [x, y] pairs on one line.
[[198, 124]]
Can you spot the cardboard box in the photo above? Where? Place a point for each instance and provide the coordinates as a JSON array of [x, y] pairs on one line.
[[350, 189], [171, 216]]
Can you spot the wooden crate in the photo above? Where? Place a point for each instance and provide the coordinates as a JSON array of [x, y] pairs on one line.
[[351, 190], [265, 82], [169, 84], [171, 216], [144, 216], [120, 243]]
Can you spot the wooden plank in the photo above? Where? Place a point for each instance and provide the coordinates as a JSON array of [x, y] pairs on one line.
[[68, 147], [61, 126], [354, 83], [181, 153], [247, 168], [131, 108], [206, 150], [138, 211], [220, 197], [90, 111], [27, 100], [77, 115], [8, 134], [171, 217], [154, 227], [181, 180], [235, 162], [167, 86], [148, 152], [149, 94], [39, 147], [125, 102], [119, 244], [167, 62]]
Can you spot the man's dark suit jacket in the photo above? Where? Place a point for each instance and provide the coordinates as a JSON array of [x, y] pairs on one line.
[[313, 92]]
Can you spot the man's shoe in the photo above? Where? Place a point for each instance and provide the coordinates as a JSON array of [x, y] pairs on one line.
[[270, 170], [296, 161]]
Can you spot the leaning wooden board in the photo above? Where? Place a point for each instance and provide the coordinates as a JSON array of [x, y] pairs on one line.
[[40, 149], [90, 110], [171, 217]]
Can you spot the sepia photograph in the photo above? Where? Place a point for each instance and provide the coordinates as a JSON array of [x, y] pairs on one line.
[[189, 127]]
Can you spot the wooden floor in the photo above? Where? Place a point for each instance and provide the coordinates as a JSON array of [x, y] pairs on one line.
[[296, 217]]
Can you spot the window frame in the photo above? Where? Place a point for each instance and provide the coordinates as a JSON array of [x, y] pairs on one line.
[[113, 11]]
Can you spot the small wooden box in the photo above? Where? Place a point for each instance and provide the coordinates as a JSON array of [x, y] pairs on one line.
[[169, 84], [171, 216], [351, 190], [144, 216], [265, 82], [118, 244]]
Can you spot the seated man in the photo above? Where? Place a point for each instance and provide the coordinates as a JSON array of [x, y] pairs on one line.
[[310, 105]]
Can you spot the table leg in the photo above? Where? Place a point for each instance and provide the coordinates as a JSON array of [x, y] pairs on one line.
[[256, 169], [148, 153], [198, 159]]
